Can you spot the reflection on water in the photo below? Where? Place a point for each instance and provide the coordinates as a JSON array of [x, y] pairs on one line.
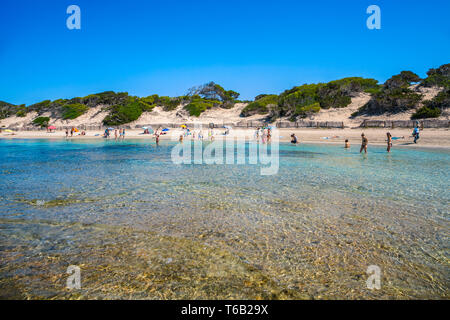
[[141, 227]]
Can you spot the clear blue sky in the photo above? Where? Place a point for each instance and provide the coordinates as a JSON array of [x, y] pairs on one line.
[[168, 46]]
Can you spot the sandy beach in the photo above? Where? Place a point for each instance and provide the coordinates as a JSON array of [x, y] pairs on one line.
[[430, 138]]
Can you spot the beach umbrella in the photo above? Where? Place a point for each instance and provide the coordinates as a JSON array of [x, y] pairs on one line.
[[145, 128], [75, 129], [165, 129], [227, 127], [7, 130], [183, 126], [110, 128], [52, 128]]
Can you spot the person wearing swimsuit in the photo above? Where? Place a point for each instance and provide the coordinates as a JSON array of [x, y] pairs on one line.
[[389, 141], [364, 143], [347, 144]]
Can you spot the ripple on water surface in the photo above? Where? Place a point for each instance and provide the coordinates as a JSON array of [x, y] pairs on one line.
[[141, 227]]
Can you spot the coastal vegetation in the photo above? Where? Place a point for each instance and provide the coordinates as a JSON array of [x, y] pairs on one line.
[[207, 96], [439, 77], [41, 121], [126, 112], [261, 105], [433, 108], [73, 111], [394, 96], [401, 92], [305, 100]]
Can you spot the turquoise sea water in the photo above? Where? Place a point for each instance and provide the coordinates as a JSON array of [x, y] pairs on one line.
[[142, 227]]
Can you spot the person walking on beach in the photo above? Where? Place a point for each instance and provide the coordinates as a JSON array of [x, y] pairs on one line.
[[389, 141], [264, 136], [71, 132], [115, 134], [347, 144], [181, 138], [257, 134], [364, 143], [416, 133], [67, 133], [269, 135], [123, 134]]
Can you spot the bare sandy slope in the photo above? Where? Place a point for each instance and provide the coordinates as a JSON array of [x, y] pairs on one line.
[[344, 114], [18, 122], [430, 138], [180, 116], [93, 117]]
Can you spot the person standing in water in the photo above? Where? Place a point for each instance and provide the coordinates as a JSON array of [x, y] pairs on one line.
[[347, 144], [364, 143], [115, 134], [389, 141], [294, 139], [123, 134]]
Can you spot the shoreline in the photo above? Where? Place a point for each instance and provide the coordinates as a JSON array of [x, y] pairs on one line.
[[430, 138]]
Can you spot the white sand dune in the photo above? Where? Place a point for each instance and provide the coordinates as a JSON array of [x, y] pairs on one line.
[[95, 116]]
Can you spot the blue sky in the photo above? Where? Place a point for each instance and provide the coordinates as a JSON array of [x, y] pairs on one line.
[[168, 46]]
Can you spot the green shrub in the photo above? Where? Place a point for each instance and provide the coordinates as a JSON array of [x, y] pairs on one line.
[[6, 109], [259, 106], [168, 103], [426, 112], [373, 90], [41, 121], [21, 111], [214, 92], [73, 111], [442, 100], [121, 114], [438, 77], [107, 98], [40, 107], [393, 97], [145, 107], [305, 111], [198, 106]]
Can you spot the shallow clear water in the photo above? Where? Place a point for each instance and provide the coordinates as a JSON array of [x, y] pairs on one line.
[[142, 227]]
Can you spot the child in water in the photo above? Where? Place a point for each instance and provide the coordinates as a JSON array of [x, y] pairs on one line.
[[347, 144], [364, 142]]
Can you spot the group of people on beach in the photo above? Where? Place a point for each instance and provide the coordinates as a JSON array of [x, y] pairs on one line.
[[72, 131], [199, 134], [118, 134], [261, 134], [365, 141], [264, 133]]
